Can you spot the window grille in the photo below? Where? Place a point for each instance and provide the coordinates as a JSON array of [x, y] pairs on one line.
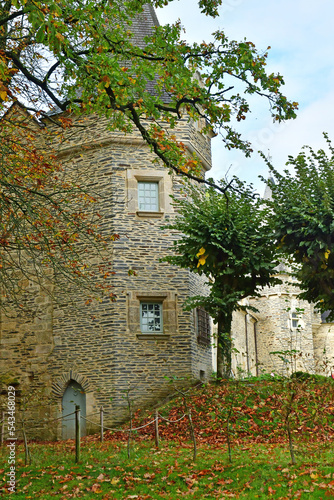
[[148, 196], [203, 327]]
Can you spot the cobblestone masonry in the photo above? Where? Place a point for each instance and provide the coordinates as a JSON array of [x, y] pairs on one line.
[[272, 343], [101, 347]]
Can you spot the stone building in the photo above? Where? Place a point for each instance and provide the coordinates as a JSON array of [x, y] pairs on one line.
[[284, 335], [105, 354], [110, 352]]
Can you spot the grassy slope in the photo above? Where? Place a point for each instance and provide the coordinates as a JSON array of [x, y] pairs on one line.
[[261, 465], [257, 411]]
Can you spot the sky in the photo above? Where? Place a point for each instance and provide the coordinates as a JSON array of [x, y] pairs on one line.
[[301, 37]]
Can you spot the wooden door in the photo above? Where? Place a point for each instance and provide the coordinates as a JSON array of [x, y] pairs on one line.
[[73, 395]]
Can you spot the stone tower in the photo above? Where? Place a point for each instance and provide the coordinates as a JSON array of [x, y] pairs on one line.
[[94, 356]]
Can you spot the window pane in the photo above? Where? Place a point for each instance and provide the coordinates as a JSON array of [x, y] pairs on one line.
[[294, 321], [148, 196], [150, 317]]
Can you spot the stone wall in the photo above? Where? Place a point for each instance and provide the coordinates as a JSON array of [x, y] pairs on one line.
[[100, 346], [244, 358], [283, 336], [323, 341]]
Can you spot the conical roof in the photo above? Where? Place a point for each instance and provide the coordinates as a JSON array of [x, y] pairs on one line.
[[268, 192], [142, 25]]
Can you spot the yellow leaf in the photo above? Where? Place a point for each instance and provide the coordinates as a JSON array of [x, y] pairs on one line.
[[3, 94], [106, 81], [201, 252], [60, 37], [201, 261], [327, 253]]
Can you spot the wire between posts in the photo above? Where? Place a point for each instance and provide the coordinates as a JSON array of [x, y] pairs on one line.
[[118, 430], [45, 422], [95, 413], [172, 421], [36, 426], [52, 420]]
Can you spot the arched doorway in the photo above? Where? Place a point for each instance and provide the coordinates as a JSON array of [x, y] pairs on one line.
[[73, 395]]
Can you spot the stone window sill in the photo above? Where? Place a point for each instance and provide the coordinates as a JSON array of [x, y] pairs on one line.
[[152, 336], [153, 215]]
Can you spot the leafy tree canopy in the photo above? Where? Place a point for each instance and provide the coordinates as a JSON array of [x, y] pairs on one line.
[[64, 57], [47, 223], [227, 239], [303, 221], [85, 56]]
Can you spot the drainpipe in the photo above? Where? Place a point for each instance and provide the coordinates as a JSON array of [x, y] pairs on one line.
[[247, 351], [256, 356]]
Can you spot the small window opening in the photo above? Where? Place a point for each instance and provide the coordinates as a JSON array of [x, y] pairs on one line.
[[148, 196], [294, 320], [203, 327], [151, 317]]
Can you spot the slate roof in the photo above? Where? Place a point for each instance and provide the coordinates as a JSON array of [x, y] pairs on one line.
[[142, 25]]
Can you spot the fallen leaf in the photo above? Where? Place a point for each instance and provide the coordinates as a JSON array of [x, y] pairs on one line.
[[96, 488]]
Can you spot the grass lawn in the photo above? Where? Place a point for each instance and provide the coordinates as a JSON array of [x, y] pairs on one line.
[[256, 416], [105, 472]]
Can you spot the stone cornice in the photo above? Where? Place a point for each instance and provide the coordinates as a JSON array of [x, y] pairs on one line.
[[129, 141]]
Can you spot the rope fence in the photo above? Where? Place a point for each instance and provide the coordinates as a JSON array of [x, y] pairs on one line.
[[77, 418], [172, 421], [30, 427], [118, 430], [114, 429]]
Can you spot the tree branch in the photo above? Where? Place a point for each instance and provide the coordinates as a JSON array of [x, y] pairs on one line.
[[31, 78], [5, 20]]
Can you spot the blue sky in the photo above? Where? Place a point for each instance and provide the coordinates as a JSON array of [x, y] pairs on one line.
[[301, 36]]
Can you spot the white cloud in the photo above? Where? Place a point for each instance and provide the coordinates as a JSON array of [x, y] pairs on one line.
[[301, 35]]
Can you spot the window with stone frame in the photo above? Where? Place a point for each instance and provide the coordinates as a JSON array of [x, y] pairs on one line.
[[148, 196], [148, 192], [151, 319], [152, 315], [203, 327]]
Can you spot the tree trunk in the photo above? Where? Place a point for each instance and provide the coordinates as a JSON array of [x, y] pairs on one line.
[[224, 347]]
